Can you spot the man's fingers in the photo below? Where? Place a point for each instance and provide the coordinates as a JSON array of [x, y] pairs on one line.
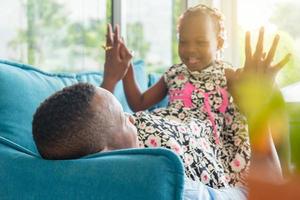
[[115, 51], [248, 51], [109, 36], [272, 51], [281, 64], [261, 66], [116, 36], [260, 44], [109, 42]]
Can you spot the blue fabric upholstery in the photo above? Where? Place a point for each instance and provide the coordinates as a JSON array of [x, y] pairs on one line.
[[23, 88], [124, 174]]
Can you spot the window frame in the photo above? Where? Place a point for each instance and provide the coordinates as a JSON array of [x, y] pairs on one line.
[[119, 7]]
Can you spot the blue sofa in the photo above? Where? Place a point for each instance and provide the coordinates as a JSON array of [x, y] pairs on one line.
[[123, 174]]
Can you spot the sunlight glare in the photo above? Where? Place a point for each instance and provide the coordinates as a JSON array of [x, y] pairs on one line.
[[256, 13]]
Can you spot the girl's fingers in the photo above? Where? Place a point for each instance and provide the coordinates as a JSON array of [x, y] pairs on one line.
[[122, 52], [128, 53], [125, 54], [259, 45], [281, 64], [272, 51]]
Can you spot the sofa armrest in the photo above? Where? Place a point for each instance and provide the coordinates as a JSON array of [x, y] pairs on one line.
[[122, 174]]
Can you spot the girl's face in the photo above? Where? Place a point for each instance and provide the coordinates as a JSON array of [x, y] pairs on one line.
[[198, 41]]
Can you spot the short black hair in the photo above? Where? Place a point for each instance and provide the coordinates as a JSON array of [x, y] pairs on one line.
[[65, 126]]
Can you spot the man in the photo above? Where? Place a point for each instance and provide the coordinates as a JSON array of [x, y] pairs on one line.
[[83, 119]]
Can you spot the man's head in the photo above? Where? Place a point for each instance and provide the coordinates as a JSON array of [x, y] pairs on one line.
[[80, 120]]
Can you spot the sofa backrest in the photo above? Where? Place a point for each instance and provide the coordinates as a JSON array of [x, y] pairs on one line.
[[23, 88]]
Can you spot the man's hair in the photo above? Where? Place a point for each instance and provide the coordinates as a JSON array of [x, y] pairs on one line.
[[65, 125]]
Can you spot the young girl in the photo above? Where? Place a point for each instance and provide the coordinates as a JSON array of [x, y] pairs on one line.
[[201, 122]]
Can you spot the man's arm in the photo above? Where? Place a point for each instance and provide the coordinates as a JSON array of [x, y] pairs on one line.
[[117, 59], [261, 102]]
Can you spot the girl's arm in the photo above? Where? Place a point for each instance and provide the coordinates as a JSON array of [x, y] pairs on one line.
[[142, 101], [231, 78]]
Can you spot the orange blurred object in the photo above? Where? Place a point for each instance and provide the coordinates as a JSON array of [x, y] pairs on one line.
[[265, 190]]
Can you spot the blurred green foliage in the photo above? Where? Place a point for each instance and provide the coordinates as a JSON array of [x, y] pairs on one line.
[[136, 39], [286, 16], [51, 38]]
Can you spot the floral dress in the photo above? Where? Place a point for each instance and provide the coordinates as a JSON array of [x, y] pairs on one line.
[[201, 124]]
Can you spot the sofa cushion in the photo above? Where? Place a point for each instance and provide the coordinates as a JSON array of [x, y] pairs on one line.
[[23, 88]]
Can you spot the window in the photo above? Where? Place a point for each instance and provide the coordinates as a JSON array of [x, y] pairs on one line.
[[58, 35], [64, 35], [151, 31], [278, 16]]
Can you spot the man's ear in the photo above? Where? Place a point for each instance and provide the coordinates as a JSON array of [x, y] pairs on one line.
[[131, 119], [105, 149]]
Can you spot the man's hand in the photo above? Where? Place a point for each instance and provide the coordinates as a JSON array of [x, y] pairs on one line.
[[260, 64], [117, 58], [254, 84], [255, 92]]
